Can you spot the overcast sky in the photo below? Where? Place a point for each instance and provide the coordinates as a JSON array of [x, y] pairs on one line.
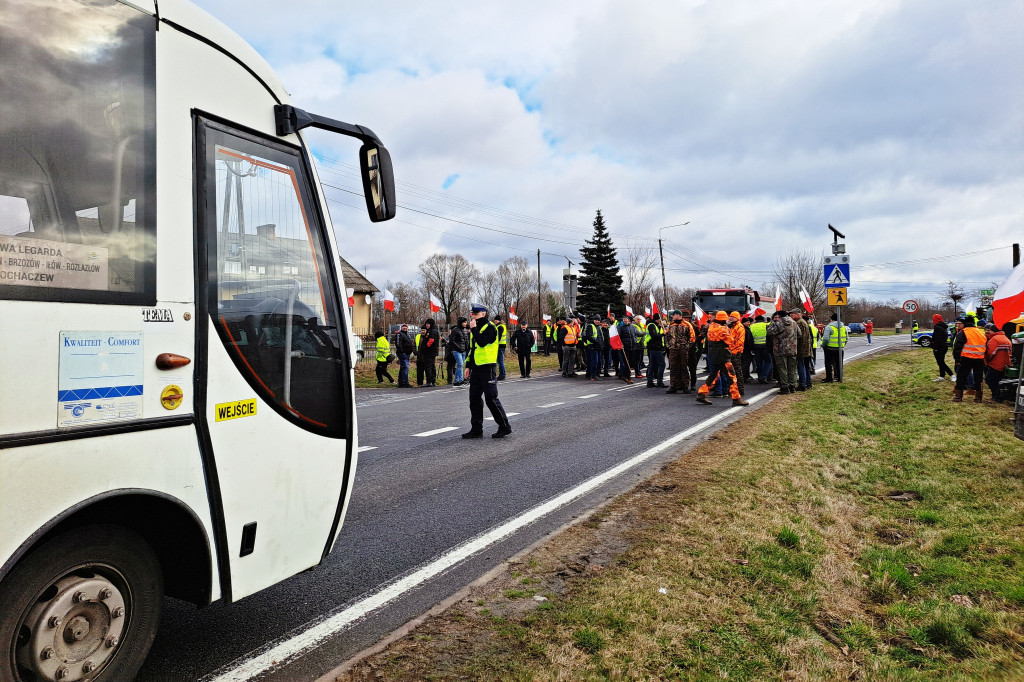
[[759, 122]]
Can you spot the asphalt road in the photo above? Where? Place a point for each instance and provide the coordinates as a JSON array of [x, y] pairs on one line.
[[421, 493]]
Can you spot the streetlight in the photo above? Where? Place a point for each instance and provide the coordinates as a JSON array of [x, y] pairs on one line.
[[661, 252]]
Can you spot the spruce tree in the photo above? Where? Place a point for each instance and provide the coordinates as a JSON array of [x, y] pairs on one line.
[[600, 283]]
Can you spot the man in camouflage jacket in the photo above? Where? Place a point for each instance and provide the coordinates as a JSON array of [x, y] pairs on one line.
[[678, 338], [785, 336]]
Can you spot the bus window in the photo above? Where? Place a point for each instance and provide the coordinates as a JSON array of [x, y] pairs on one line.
[[271, 289], [77, 177]]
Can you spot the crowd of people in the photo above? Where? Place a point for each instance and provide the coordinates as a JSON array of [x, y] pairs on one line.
[[981, 353], [737, 348]]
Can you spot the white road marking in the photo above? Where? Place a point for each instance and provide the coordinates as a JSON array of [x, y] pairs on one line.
[[507, 414], [364, 448], [284, 650], [551, 405], [435, 431], [584, 397]]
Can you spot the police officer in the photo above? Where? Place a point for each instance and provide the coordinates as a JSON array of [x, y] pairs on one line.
[[483, 386]]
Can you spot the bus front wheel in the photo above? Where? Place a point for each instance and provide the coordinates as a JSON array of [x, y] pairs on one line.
[[83, 605]]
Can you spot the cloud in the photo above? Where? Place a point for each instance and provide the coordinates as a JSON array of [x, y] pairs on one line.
[[758, 121]]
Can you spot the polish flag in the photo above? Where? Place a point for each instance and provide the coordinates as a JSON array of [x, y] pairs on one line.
[[971, 309], [351, 293], [778, 298], [629, 311], [512, 317], [546, 318], [1008, 302], [754, 311], [613, 337], [608, 313], [805, 299], [435, 304], [389, 301], [647, 311], [654, 304], [699, 316]]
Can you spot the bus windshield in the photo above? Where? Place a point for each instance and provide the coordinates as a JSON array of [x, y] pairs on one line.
[[711, 302]]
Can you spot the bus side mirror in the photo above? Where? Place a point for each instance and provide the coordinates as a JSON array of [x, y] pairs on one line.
[[378, 181]]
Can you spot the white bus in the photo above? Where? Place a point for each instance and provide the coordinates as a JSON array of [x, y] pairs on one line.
[[176, 387]]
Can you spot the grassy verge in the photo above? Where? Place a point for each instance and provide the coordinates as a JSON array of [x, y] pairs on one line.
[[868, 530], [367, 378]]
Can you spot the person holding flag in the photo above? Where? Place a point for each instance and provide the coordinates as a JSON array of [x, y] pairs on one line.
[[625, 332], [640, 325]]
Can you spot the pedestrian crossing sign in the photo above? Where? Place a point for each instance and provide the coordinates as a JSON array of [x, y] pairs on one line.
[[837, 297], [837, 275]]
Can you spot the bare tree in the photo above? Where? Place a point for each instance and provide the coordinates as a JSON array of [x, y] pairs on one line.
[[796, 269], [516, 280], [639, 272], [450, 277], [487, 288]]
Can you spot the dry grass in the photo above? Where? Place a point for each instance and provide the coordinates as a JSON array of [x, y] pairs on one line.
[[775, 550]]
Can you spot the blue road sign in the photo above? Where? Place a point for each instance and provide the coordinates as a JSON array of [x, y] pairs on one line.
[[837, 275]]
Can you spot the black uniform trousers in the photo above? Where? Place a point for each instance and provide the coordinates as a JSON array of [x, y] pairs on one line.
[[483, 387]]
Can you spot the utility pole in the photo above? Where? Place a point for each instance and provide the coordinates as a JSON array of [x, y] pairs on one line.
[[1016, 255], [540, 309], [664, 286], [661, 252]]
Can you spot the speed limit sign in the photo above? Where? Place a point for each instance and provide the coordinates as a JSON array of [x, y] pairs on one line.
[[910, 307]]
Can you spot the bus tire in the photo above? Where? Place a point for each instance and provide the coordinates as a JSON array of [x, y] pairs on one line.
[[85, 602]]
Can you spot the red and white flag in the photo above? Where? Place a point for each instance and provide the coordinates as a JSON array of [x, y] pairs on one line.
[[613, 337], [546, 318], [755, 310], [778, 298], [647, 311], [1008, 302], [512, 317], [351, 293], [389, 301], [699, 316], [435, 304], [629, 311], [805, 299], [654, 304], [608, 313]]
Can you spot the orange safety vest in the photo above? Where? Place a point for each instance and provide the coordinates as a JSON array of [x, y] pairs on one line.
[[570, 335], [975, 346]]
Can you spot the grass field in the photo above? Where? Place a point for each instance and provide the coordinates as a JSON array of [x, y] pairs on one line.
[[869, 530]]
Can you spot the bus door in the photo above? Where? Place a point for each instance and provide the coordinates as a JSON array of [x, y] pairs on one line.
[[274, 391]]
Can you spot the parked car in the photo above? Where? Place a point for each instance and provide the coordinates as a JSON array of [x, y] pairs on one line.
[[855, 328], [924, 338]]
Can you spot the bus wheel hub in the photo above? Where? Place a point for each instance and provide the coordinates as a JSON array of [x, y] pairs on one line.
[[91, 610]]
